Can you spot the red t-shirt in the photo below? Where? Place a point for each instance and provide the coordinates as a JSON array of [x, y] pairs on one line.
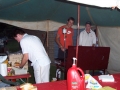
[[68, 36]]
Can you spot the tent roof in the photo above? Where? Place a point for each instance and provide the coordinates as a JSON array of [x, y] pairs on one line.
[[56, 10]]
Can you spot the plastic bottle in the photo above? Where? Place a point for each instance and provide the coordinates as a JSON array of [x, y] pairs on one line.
[[58, 73], [75, 78]]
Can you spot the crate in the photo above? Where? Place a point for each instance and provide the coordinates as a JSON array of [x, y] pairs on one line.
[[17, 58]]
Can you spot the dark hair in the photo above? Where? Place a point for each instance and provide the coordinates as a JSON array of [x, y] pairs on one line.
[[88, 22], [17, 31], [71, 18]]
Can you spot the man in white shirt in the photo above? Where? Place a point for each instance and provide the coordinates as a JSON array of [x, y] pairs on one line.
[[87, 37], [33, 50]]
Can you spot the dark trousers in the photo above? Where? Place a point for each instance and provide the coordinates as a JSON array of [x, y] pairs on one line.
[[61, 54]]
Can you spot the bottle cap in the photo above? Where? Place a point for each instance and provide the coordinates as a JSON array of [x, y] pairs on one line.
[[74, 60]]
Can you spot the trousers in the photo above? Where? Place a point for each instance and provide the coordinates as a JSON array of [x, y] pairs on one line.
[[41, 73]]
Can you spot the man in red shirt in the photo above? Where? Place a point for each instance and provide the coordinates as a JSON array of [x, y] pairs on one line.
[[64, 37]]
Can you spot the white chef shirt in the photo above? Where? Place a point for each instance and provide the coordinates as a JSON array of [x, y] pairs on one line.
[[33, 46]]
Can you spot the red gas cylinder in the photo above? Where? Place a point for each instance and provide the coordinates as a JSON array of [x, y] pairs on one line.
[[75, 78]]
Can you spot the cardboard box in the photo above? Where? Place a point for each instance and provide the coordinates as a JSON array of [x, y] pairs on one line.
[[13, 58]]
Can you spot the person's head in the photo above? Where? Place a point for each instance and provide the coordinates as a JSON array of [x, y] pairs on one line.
[[70, 21], [18, 34], [88, 25]]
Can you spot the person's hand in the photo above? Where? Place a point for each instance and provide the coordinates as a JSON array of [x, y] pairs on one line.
[[20, 67], [62, 48], [93, 45]]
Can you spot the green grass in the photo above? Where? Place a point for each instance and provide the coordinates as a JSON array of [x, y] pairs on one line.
[[52, 71]]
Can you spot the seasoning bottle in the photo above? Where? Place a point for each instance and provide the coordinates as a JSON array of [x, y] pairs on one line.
[[75, 78]]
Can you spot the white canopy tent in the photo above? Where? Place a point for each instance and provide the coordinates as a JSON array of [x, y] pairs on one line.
[[108, 36], [46, 25], [100, 3]]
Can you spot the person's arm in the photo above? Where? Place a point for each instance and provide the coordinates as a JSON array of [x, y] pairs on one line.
[[72, 37], [93, 45], [94, 39], [57, 39], [80, 39], [24, 60]]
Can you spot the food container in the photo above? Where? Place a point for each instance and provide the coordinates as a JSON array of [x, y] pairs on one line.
[[10, 71]]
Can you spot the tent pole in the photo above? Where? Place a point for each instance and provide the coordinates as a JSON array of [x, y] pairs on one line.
[[78, 27], [47, 35]]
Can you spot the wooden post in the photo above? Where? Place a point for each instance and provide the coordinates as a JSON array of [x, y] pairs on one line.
[[78, 33], [47, 36]]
